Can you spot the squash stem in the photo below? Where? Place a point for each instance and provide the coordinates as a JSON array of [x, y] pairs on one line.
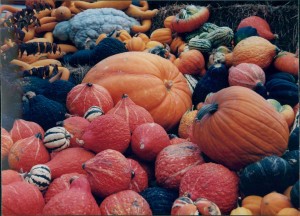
[[206, 109]]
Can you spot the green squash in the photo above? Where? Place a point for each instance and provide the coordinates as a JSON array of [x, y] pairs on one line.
[[244, 33], [295, 194], [294, 139], [292, 157]]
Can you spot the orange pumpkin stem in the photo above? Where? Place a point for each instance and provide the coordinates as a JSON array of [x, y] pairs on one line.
[[206, 109]]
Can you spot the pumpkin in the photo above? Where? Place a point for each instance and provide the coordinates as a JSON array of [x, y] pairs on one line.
[[152, 44], [135, 44], [136, 70], [247, 75], [109, 131], [92, 113], [241, 211], [122, 35], [186, 122], [252, 203], [77, 200], [23, 129], [133, 114], [62, 13], [185, 206], [255, 50], [21, 198], [60, 184], [57, 139], [288, 211], [139, 177], [287, 62], [205, 179], [261, 25], [215, 79], [292, 157], [125, 202], [40, 176], [28, 152], [148, 140], [243, 33], [6, 143], [294, 139], [101, 37], [174, 161], [10, 176], [189, 18], [191, 62], [162, 35], [268, 130], [295, 194], [269, 174], [108, 172], [58, 90], [176, 43], [273, 202], [160, 199], [144, 37], [85, 95], [75, 126], [168, 22], [160, 51], [72, 160], [286, 111], [41, 110]]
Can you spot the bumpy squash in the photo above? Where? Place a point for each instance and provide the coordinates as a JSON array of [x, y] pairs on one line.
[[149, 80], [162, 35], [252, 203], [287, 62]]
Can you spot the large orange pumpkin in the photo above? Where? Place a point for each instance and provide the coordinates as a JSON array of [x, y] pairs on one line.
[[236, 127], [149, 80]]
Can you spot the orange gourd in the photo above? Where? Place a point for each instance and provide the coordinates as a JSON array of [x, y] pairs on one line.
[[23, 129], [162, 35], [252, 203], [168, 22], [243, 124], [287, 62], [6, 143], [144, 37], [10, 176], [122, 35], [62, 13], [273, 202], [289, 212], [186, 123], [152, 44], [176, 43], [101, 37], [241, 211], [149, 80], [135, 44]]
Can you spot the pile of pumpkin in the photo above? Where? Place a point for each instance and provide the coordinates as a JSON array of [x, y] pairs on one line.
[[127, 141]]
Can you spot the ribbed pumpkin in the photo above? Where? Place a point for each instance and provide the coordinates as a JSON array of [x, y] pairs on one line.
[[144, 37], [139, 177], [6, 143], [109, 131], [135, 44], [247, 75], [75, 125], [85, 95], [289, 212], [125, 202], [23, 129], [133, 114], [252, 203], [108, 172], [176, 43], [168, 22], [186, 123], [149, 80], [152, 44], [72, 160], [174, 161], [122, 35], [28, 152], [240, 125], [10, 176], [148, 140], [273, 202], [261, 25], [191, 62], [205, 179], [287, 62], [255, 50], [162, 35]]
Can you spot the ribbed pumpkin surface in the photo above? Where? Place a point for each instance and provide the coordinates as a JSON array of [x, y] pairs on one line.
[[139, 177], [149, 80], [245, 127]]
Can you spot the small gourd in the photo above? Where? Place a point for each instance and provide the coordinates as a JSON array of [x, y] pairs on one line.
[[135, 44], [39, 175], [93, 112], [57, 139], [162, 35], [243, 33]]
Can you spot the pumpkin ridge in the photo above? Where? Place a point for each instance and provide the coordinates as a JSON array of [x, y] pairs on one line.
[[246, 74], [77, 95]]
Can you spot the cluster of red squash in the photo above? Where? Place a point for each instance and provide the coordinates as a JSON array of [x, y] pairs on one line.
[[143, 97]]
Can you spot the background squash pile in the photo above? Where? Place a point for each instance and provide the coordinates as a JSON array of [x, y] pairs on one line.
[[137, 109]]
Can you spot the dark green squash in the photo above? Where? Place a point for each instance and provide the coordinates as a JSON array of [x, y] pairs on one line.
[[282, 76], [272, 173], [58, 90], [295, 194], [244, 33], [294, 139], [160, 199], [43, 111], [215, 79], [292, 157]]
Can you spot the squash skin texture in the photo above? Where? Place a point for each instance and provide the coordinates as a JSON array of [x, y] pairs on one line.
[[149, 80]]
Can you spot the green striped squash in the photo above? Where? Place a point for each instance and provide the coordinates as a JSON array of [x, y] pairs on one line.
[[203, 45], [206, 28], [57, 139], [40, 176], [93, 112], [220, 36]]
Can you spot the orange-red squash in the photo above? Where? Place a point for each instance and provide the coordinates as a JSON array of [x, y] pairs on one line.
[[23, 129], [6, 143], [238, 122], [149, 80], [287, 62]]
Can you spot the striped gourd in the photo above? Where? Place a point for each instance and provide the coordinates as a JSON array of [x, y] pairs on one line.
[[220, 36], [92, 113], [57, 139], [203, 45], [192, 81], [206, 28], [39, 175]]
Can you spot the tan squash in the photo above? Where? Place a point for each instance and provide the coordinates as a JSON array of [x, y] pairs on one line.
[[273, 203], [135, 44], [252, 203]]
